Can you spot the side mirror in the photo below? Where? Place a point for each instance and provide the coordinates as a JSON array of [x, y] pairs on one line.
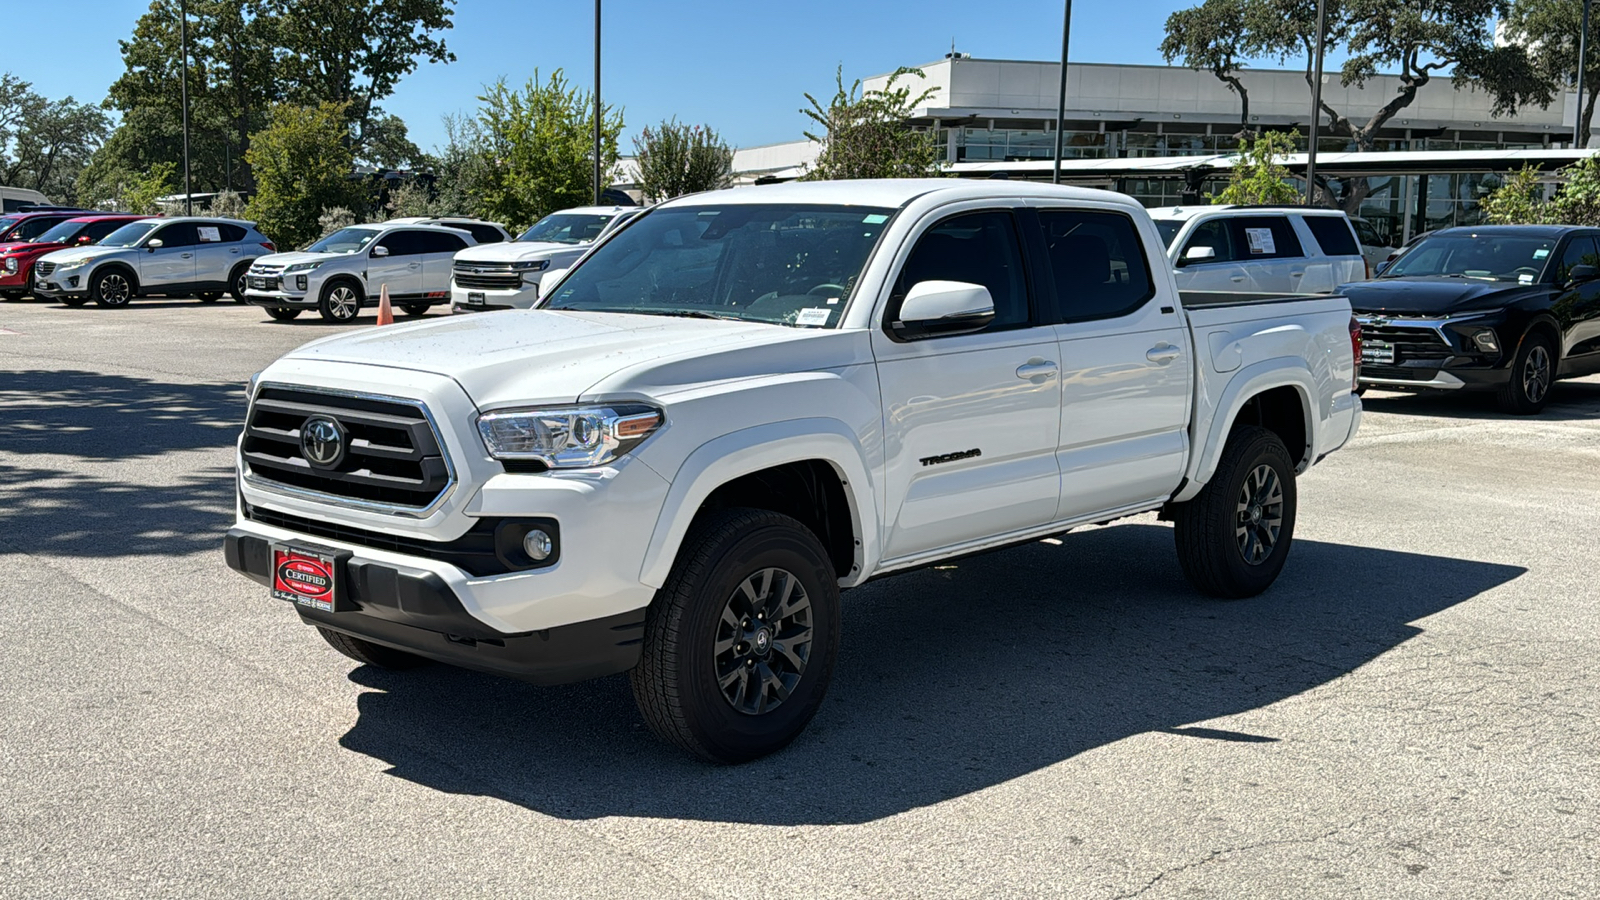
[[1380, 267], [1581, 273], [83, 239], [933, 308], [155, 244], [548, 281], [1197, 254], [380, 251]]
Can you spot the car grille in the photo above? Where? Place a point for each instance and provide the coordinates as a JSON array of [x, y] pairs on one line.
[[1410, 343], [473, 552], [44, 268], [487, 276], [394, 456]]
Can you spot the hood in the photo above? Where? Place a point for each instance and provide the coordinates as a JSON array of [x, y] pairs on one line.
[[72, 254], [1434, 296], [13, 245], [515, 251], [299, 256], [530, 357], [33, 247]]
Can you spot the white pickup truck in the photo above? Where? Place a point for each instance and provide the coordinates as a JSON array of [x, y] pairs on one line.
[[743, 402]]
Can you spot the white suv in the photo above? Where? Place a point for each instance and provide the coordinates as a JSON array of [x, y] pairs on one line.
[[347, 269], [483, 232], [1264, 249], [507, 276]]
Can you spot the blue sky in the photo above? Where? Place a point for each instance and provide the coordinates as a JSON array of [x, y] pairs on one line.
[[740, 67]]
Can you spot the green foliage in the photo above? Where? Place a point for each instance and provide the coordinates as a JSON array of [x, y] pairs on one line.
[[139, 193], [1258, 176], [536, 148], [459, 171], [226, 205], [676, 159], [331, 220], [302, 163], [1545, 33], [44, 143], [867, 135], [1522, 200], [410, 198]]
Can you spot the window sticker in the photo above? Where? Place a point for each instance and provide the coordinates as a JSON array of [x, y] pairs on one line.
[[210, 234], [1524, 278], [875, 219], [1260, 240], [1541, 253], [813, 316]]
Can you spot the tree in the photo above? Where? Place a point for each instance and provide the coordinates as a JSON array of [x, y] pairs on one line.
[[44, 143], [226, 205], [302, 162], [1258, 177], [141, 193], [676, 159], [1548, 31], [459, 170], [536, 148], [1523, 200], [868, 135], [1212, 36]]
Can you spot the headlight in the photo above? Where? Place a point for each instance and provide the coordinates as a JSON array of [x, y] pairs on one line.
[[250, 387], [304, 267], [11, 264], [530, 269], [568, 437], [74, 264]]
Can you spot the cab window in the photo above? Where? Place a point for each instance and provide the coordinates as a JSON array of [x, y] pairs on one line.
[[977, 248], [1213, 233], [1580, 252], [178, 234], [1097, 263]]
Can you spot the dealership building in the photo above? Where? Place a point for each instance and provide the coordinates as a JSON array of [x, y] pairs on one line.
[[1164, 134]]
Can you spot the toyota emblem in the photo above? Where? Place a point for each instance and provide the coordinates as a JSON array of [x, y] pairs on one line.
[[322, 442]]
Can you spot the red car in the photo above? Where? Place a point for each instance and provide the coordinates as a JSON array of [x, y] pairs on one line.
[[67, 230]]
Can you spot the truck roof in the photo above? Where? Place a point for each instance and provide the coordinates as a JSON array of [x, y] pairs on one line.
[[896, 192]]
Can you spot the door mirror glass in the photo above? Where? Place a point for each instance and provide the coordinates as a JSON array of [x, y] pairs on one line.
[[156, 244], [1197, 254], [944, 307], [380, 251], [549, 281], [1581, 272]]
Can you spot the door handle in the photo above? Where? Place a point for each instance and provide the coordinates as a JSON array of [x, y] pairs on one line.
[[233, 249], [1295, 274], [1236, 279], [185, 255], [1163, 353], [413, 265], [1036, 370]]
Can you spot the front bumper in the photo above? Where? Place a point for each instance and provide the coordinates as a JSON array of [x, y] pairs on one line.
[[415, 610], [1434, 378], [463, 300], [279, 299]]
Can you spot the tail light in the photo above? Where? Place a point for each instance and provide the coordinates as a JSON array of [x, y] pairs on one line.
[[271, 247], [1355, 350]]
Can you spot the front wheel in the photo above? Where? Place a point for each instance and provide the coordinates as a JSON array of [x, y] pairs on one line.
[[111, 288], [1533, 370], [11, 295], [740, 642], [341, 302], [415, 309], [283, 315], [1234, 536], [74, 301], [208, 297]]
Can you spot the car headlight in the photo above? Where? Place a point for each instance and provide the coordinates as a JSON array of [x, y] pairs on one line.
[[304, 267], [568, 437], [530, 269], [11, 264], [74, 264]]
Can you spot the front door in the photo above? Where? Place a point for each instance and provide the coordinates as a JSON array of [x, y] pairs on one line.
[[171, 265], [1220, 273], [401, 270], [1577, 308], [1126, 363], [970, 421]]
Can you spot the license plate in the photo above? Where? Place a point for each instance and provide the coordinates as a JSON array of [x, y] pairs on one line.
[[474, 299], [1377, 352], [307, 577]]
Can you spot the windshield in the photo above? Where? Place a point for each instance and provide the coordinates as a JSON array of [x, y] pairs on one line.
[[5, 226], [1491, 257], [782, 263], [1169, 229], [345, 240], [128, 235], [60, 234], [30, 229], [566, 228]]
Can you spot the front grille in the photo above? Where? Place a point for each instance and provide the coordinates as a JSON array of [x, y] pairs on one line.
[[44, 268], [473, 552], [487, 276], [1410, 343], [393, 456]]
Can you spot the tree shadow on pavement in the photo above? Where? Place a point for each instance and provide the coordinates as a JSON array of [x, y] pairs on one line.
[[949, 681], [114, 417], [1570, 401]]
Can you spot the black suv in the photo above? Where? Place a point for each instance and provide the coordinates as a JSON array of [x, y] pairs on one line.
[[1507, 308]]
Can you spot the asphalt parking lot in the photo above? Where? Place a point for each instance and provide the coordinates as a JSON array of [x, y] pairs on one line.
[[1413, 711]]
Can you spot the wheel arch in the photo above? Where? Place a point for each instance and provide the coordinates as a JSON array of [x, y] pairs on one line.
[[810, 469], [339, 278], [1276, 394], [123, 266]]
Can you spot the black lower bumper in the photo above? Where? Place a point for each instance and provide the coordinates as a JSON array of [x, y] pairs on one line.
[[415, 611], [1415, 377]]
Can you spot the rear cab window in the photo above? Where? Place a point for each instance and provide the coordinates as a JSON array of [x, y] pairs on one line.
[[1333, 235], [1097, 263]]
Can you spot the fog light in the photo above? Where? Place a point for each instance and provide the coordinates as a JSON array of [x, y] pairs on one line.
[[537, 545], [299, 282], [1486, 340]]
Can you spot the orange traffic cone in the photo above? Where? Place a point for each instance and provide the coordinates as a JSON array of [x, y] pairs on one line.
[[385, 314]]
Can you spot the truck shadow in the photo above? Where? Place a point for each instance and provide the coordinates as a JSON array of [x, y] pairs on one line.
[[950, 681]]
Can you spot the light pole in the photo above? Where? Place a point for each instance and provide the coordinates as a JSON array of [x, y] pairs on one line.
[[1061, 96], [596, 102], [183, 31], [1316, 105], [1583, 52]]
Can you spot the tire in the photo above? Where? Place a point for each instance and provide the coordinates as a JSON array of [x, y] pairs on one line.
[[112, 287], [1233, 552], [208, 297], [415, 309], [74, 301], [236, 282], [1533, 371], [11, 295], [284, 315], [341, 302], [369, 653], [703, 622]]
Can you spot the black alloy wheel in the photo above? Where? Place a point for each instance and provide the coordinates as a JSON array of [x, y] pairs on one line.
[[414, 309], [239, 283], [111, 288], [1260, 515], [1234, 536], [1533, 371], [208, 297], [763, 641], [283, 315]]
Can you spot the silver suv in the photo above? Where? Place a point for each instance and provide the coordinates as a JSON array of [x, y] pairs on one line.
[[179, 257], [348, 269]]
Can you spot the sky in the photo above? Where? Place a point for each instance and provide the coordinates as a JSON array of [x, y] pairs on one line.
[[741, 67]]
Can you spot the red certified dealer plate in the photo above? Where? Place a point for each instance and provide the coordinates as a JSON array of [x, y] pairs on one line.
[[307, 577]]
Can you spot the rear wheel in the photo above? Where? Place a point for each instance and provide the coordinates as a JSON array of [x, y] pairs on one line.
[[1533, 370], [208, 297], [369, 653], [11, 295], [74, 301], [1234, 536], [740, 642], [341, 302], [112, 287], [414, 309], [236, 282], [283, 315]]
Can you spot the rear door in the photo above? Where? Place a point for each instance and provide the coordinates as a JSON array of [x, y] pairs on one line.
[[1220, 273], [1335, 238], [440, 248], [401, 270], [1269, 250], [171, 265], [1126, 363], [217, 251], [970, 420], [1577, 308]]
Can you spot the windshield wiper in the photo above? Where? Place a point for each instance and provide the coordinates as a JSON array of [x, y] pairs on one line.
[[694, 314]]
